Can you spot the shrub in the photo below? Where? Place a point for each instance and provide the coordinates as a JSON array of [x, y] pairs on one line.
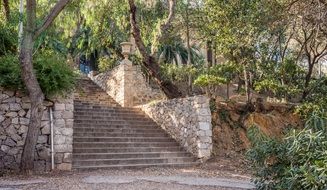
[[53, 74], [298, 161]]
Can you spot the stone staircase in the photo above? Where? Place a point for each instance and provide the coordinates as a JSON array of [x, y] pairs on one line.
[[107, 135]]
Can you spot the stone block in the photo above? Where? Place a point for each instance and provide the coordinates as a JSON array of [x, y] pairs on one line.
[[68, 115], [24, 121], [14, 107], [22, 129], [26, 106], [67, 132], [64, 166], [58, 158], [13, 151], [46, 130], [4, 107], [9, 93], [204, 126], [59, 107], [2, 118], [11, 130], [22, 113], [68, 158], [45, 116], [58, 114], [42, 139], [11, 114], [59, 139], [44, 153], [69, 107], [5, 148], [59, 123], [69, 123], [15, 121], [9, 100]]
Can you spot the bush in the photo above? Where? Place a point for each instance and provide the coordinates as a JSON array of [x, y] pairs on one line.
[[53, 74], [298, 161]]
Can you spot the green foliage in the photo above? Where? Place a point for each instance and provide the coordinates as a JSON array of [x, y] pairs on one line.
[[207, 80], [53, 74], [10, 76], [107, 63], [298, 161], [178, 73]]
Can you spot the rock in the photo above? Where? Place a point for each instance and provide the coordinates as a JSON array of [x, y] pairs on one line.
[[16, 137], [22, 113], [14, 107], [45, 116], [23, 129], [42, 139], [68, 115], [4, 107], [5, 148], [15, 121], [59, 123], [11, 114], [24, 121], [2, 118], [3, 97], [13, 151], [58, 158], [70, 107], [10, 142], [47, 103], [26, 106], [67, 158], [204, 126], [59, 107], [26, 99], [9, 93], [64, 167], [11, 130], [69, 123], [43, 153], [46, 130]]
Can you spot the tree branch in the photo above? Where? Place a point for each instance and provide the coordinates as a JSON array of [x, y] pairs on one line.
[[51, 16]]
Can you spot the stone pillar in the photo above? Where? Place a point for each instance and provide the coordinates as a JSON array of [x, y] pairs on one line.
[[127, 88]]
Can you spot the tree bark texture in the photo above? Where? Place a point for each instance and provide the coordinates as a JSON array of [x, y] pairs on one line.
[[149, 61]]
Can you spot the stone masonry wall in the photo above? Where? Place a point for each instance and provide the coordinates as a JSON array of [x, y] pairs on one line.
[[127, 85], [14, 121], [187, 120]]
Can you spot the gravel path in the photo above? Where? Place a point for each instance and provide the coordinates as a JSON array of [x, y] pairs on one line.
[[146, 179]]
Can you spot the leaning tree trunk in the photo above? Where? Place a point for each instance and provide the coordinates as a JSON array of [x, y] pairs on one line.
[[36, 96], [149, 61], [33, 88]]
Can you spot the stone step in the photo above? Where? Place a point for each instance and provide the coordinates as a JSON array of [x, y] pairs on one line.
[[117, 130], [94, 134], [114, 114], [113, 122], [120, 126], [136, 166], [95, 162], [169, 148], [123, 144], [88, 156], [122, 139], [104, 117], [108, 110]]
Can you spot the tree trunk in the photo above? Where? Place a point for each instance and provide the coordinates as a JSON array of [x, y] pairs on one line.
[[190, 87], [227, 90], [307, 81], [247, 85], [7, 9], [36, 97], [33, 88], [209, 53], [149, 61]]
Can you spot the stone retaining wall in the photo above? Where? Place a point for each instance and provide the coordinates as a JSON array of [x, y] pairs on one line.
[[127, 85], [187, 120], [14, 121]]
